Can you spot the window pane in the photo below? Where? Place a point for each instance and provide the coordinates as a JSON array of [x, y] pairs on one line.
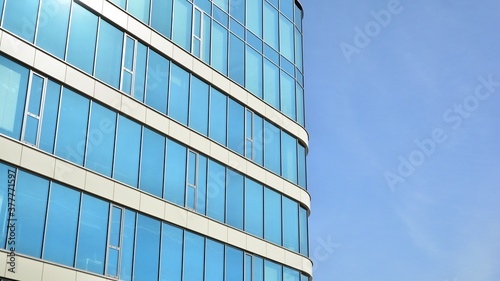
[[182, 24], [92, 234], [304, 278], [128, 143], [147, 249], [161, 16], [198, 106], [121, 3], [298, 49], [223, 4], [152, 161], [72, 128], [272, 216], [300, 104], [290, 274], [288, 95], [304, 239], [219, 48], [1, 8], [254, 17], [290, 224], [140, 9], [270, 25], [175, 177], [127, 246], [31, 204], [31, 130], [216, 190], [289, 157], [237, 10], [273, 271], [205, 52], [171, 253], [286, 7], [112, 264], [234, 204], [214, 268], [253, 77], [82, 39], [101, 141], [272, 147], [258, 140], [302, 166], [218, 116], [271, 84], [35, 95], [179, 93], [248, 267], [254, 208], [115, 226], [202, 185], [298, 17], [14, 85], [9, 174], [53, 26], [60, 237], [234, 264], [286, 38], [258, 269], [109, 54], [237, 60], [157, 85], [140, 72], [194, 251], [236, 127], [50, 109], [20, 18]]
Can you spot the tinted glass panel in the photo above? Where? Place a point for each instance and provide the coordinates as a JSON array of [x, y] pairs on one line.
[[153, 159], [30, 206], [20, 18], [128, 143], [270, 25], [109, 54], [286, 7], [234, 204], [140, 9], [35, 94], [101, 140], [253, 72], [161, 16], [198, 108], [272, 216], [302, 166], [286, 38], [205, 48], [258, 269], [271, 84], [60, 237], [214, 268], [290, 274], [194, 250], [9, 174], [147, 249], [171, 253], [254, 208], [127, 246], [254, 17], [290, 224], [202, 185], [157, 85], [53, 26], [258, 140], [219, 48], [218, 116], [72, 129], [236, 127], [51, 106], [92, 234], [236, 60], [300, 105], [140, 72], [121, 3], [237, 10], [298, 49], [216, 190], [82, 39], [272, 271], [234, 264], [272, 147], [304, 244], [289, 157], [223, 4], [179, 93], [175, 178], [287, 95], [182, 24], [14, 84]]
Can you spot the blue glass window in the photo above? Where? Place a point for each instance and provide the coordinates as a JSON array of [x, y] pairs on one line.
[[220, 16], [205, 5], [205, 46], [191, 180], [289, 157], [218, 116], [286, 7], [234, 264], [175, 177], [216, 190], [304, 239], [157, 85], [194, 255], [219, 48], [258, 269], [1, 9], [109, 54], [254, 208], [140, 9], [9, 174], [270, 25], [236, 127], [290, 224], [128, 143], [140, 72], [273, 271], [92, 234], [152, 162], [62, 220], [290, 274], [302, 166], [236, 60], [127, 245], [237, 28], [101, 140], [53, 26], [234, 203], [82, 38], [272, 216], [237, 10], [198, 106], [271, 84], [254, 41], [202, 185], [72, 128], [121, 3], [272, 147], [286, 38], [300, 104], [304, 278], [20, 17], [171, 253], [114, 242], [258, 139], [214, 268], [147, 249], [179, 94], [298, 49], [14, 81], [182, 23], [34, 107], [253, 77], [31, 204], [254, 17], [50, 109], [288, 95], [223, 4], [161, 16], [298, 17]]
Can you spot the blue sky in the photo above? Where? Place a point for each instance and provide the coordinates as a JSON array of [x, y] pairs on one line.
[[404, 160]]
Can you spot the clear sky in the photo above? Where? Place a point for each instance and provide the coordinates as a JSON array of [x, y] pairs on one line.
[[404, 163]]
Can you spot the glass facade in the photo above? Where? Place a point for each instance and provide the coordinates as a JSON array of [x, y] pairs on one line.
[[255, 43]]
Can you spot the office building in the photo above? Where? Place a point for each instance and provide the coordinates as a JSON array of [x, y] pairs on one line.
[[152, 140]]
